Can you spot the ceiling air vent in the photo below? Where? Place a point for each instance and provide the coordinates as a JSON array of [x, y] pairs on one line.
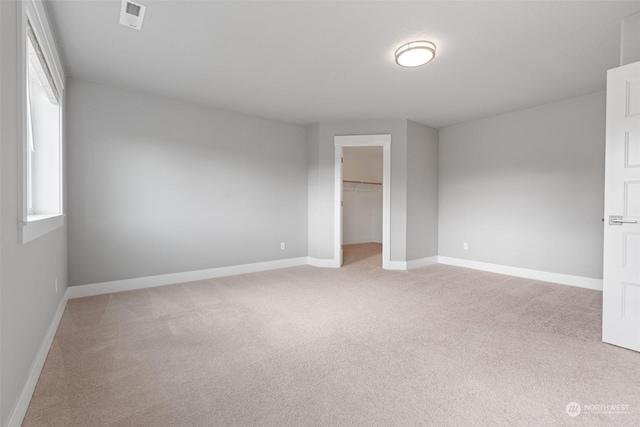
[[132, 14]]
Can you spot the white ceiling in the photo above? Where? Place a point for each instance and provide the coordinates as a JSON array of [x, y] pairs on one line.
[[303, 61]]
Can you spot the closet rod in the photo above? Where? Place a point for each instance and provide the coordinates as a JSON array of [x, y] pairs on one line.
[[361, 182]]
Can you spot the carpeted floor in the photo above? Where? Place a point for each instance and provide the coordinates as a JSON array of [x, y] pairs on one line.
[[306, 346]]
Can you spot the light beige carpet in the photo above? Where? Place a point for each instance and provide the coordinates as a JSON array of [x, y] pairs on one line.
[[306, 346]]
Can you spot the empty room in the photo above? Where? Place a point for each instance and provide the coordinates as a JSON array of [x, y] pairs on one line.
[[319, 213]]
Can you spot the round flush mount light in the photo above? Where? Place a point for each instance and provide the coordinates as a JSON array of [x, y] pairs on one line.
[[415, 54]]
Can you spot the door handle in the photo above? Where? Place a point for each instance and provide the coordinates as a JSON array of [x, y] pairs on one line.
[[617, 220]]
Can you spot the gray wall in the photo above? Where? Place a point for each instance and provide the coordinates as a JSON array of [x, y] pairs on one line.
[[314, 228], [414, 171], [630, 40], [526, 189], [422, 191], [321, 182], [27, 272], [158, 186]]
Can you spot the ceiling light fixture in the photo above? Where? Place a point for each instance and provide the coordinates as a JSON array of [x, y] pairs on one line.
[[415, 54]]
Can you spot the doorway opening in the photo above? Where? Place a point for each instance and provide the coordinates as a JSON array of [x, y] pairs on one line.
[[362, 205], [372, 184]]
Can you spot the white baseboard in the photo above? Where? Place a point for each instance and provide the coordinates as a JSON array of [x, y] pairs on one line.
[[422, 262], [324, 263], [187, 276], [397, 265], [20, 409], [564, 279], [414, 263]]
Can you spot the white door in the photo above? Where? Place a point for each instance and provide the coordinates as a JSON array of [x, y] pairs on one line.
[[621, 284], [341, 209]]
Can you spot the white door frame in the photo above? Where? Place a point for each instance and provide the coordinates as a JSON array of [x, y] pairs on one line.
[[383, 141]]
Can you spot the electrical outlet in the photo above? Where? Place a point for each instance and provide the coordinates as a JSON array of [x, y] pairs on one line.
[[282, 246], [465, 246], [56, 285]]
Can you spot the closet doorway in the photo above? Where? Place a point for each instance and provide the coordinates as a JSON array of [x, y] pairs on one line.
[[362, 193]]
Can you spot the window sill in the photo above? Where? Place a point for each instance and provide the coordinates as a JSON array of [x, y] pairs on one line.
[[39, 225]]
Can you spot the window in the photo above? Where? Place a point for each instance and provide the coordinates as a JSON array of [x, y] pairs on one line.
[[42, 118]]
